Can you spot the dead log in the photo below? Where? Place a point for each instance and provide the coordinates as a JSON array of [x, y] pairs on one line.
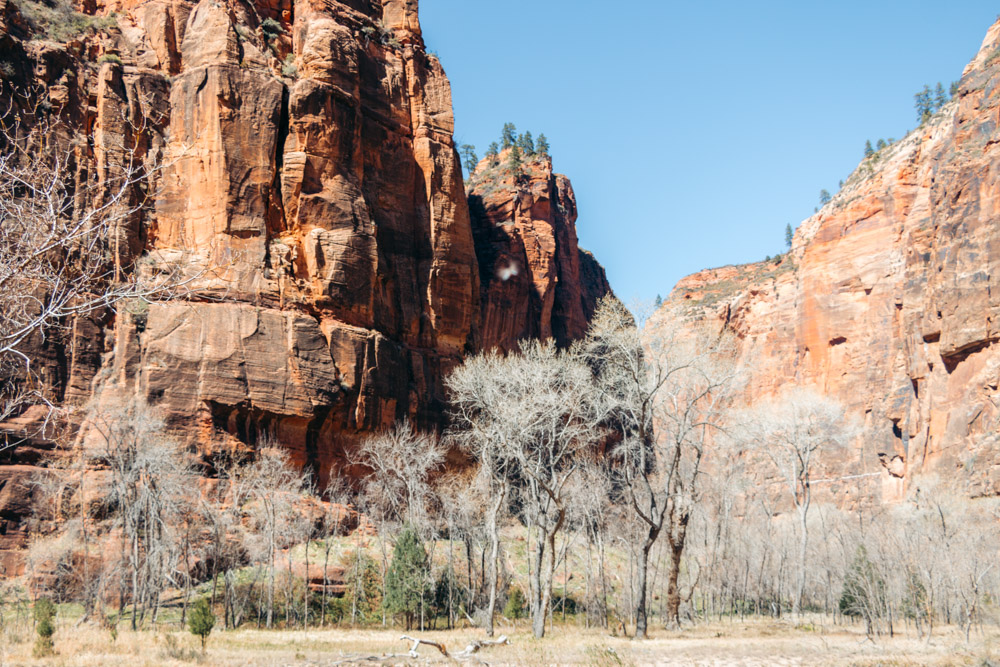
[[471, 649], [478, 644], [417, 642]]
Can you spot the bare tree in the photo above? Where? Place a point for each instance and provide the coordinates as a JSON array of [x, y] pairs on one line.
[[274, 486], [486, 424], [400, 461], [528, 415], [150, 479], [790, 432], [69, 234], [667, 400], [596, 503]]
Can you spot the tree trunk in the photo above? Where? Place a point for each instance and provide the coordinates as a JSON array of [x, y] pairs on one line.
[[326, 579], [494, 574], [604, 580], [642, 566], [135, 577], [270, 587], [673, 619], [800, 584], [538, 602], [305, 590]]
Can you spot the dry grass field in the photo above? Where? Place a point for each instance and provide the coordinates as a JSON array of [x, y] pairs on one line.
[[754, 643]]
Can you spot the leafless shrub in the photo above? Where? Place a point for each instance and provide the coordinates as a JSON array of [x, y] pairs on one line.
[[529, 415], [149, 479], [667, 400], [791, 432]]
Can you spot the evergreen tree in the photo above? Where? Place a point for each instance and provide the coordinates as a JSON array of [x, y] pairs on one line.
[[45, 616], [880, 144], [542, 145], [923, 103], [659, 301], [201, 621], [363, 598], [526, 143], [940, 97], [492, 153], [824, 197], [406, 588], [508, 137], [869, 151], [515, 159], [840, 185], [953, 89], [468, 153], [788, 235], [515, 604], [449, 595], [864, 593]]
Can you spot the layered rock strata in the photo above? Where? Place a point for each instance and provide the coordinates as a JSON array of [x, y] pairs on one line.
[[535, 280], [305, 179], [889, 301]]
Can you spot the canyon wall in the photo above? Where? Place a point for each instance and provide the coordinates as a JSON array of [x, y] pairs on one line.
[[307, 183], [535, 281], [888, 300]]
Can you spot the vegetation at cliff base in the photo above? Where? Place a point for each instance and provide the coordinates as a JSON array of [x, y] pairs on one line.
[[59, 21], [201, 621], [45, 615], [406, 583]]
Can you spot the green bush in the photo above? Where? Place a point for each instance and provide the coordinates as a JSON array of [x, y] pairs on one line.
[[110, 58], [271, 29], [45, 616], [59, 21], [406, 586], [201, 621], [363, 598], [515, 607], [288, 68]]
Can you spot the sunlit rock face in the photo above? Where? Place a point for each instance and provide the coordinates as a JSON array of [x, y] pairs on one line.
[[308, 186], [535, 280], [889, 300]]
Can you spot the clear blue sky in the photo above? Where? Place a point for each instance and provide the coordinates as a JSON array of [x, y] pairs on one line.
[[694, 132]]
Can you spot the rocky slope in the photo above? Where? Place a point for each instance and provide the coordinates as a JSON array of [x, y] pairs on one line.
[[310, 187], [889, 300]]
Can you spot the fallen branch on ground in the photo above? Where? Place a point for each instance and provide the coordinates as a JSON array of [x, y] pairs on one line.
[[417, 642], [472, 648], [478, 644]]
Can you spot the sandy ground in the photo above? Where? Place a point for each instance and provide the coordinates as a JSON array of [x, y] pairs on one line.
[[752, 644]]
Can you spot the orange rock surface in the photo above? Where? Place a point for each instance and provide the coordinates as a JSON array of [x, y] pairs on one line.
[[309, 185], [889, 301], [535, 279]]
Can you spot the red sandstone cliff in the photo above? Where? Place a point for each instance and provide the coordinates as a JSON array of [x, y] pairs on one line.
[[310, 181], [889, 299], [535, 279]]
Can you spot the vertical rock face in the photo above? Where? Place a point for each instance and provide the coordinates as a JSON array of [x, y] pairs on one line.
[[889, 299], [307, 184], [535, 280], [310, 175]]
